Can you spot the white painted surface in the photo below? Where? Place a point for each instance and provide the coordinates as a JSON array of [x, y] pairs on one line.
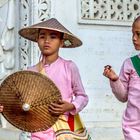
[[9, 134]]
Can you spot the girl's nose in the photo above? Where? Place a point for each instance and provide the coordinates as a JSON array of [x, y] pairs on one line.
[[134, 37], [47, 39]]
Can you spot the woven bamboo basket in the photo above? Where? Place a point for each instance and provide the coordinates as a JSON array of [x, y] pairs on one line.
[[26, 96]]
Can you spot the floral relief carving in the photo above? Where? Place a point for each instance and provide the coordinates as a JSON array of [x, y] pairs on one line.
[[43, 9], [118, 12], [85, 8]]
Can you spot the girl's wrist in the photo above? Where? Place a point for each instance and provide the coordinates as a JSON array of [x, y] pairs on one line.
[[72, 107], [114, 79]]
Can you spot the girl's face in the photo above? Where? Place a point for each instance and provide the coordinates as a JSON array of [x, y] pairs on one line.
[[49, 42], [136, 34]]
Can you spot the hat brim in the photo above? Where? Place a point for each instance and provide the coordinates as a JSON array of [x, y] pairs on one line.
[[31, 33], [34, 89]]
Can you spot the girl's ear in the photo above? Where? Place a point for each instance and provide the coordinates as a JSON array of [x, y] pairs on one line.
[[62, 43]]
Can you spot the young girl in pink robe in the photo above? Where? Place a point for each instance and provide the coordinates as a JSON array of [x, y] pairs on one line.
[[126, 87], [50, 36]]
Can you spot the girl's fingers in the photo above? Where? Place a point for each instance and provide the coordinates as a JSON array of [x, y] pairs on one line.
[[54, 111], [106, 72], [55, 105], [107, 67]]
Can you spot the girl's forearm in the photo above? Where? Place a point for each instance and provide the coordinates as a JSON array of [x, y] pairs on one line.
[[119, 90]]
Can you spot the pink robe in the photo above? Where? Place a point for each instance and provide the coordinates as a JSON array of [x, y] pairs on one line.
[[66, 76], [127, 88]]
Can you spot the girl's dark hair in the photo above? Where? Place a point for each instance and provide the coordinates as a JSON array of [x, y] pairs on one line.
[[61, 36], [137, 19]]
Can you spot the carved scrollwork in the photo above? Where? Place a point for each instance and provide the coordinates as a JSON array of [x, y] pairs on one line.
[[31, 11], [7, 39], [25, 20]]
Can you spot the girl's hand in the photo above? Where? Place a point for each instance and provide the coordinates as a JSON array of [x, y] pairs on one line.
[[109, 73], [61, 107], [1, 108]]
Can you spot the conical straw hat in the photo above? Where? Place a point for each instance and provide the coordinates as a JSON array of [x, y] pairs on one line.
[[31, 32], [26, 96]]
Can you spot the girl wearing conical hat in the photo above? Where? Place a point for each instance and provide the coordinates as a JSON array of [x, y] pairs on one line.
[[126, 87], [51, 35]]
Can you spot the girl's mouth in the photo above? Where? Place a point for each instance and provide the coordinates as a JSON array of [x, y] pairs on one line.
[[46, 46]]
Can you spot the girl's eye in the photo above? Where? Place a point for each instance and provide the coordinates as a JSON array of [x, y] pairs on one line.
[[53, 36], [138, 34], [41, 36]]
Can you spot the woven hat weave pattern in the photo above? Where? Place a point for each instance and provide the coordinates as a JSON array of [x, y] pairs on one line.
[[31, 32], [26, 96]]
